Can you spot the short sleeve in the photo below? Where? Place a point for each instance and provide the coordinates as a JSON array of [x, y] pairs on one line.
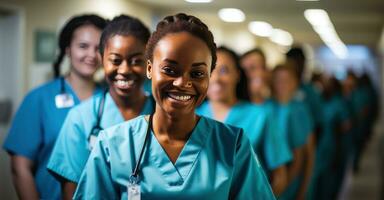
[[276, 147], [249, 180], [71, 152], [26, 133], [300, 125], [96, 180]]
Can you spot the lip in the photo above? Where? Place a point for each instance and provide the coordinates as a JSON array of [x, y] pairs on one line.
[[124, 84], [180, 97]]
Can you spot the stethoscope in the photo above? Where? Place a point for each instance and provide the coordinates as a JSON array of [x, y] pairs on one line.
[[97, 127], [134, 177]]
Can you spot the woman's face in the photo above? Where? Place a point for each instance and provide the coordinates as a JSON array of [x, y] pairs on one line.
[[222, 84], [284, 84], [83, 50], [252, 64], [180, 71], [124, 65]]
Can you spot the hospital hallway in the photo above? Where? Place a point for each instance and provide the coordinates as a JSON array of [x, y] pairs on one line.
[[366, 184]]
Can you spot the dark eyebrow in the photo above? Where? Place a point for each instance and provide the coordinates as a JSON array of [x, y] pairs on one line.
[[129, 56], [199, 64], [170, 61], [193, 65]]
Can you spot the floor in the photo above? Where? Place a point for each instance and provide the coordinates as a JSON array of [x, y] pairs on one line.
[[366, 184]]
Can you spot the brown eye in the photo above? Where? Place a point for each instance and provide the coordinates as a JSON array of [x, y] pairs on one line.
[[168, 70], [197, 74], [115, 61], [137, 62]]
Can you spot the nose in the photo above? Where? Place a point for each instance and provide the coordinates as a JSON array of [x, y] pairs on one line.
[[93, 52], [183, 81], [124, 68]]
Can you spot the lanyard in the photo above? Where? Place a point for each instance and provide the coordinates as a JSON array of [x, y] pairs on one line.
[[97, 128], [134, 178], [62, 85]]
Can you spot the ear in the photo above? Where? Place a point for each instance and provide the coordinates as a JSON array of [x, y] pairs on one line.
[[149, 69]]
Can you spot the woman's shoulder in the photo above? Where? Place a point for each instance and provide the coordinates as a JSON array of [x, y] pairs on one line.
[[219, 129], [128, 128]]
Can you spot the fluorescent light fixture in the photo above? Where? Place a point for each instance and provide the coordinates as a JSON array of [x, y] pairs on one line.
[[260, 28], [321, 23], [231, 15], [307, 0], [198, 1], [281, 37]]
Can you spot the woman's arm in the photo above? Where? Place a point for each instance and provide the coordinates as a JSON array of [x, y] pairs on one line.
[[23, 178], [279, 180], [67, 190], [309, 159], [295, 167]]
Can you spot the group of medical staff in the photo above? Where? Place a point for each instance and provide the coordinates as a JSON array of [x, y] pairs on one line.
[[178, 117]]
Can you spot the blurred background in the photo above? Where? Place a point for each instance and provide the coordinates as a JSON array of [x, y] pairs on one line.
[[337, 36]]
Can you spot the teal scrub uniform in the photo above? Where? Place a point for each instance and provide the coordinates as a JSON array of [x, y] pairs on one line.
[[295, 124], [217, 162], [312, 98], [72, 147], [35, 128], [329, 150], [255, 119]]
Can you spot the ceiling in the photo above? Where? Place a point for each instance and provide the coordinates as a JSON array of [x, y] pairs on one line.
[[355, 21]]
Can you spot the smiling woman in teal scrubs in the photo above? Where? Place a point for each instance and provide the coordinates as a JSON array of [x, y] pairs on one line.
[[293, 119], [228, 103], [37, 122], [122, 46], [174, 153]]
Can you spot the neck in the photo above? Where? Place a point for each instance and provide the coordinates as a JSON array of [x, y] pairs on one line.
[[258, 99], [173, 127], [82, 86], [283, 100], [131, 102]]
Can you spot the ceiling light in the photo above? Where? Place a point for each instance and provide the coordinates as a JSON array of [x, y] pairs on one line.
[[323, 26], [307, 0], [198, 1], [260, 28], [231, 15], [281, 37]]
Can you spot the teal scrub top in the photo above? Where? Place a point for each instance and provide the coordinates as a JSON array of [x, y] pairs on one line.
[[72, 147], [295, 124], [34, 130], [217, 162], [335, 113], [311, 96], [255, 119]]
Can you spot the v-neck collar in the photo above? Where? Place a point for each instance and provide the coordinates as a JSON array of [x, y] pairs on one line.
[[176, 174]]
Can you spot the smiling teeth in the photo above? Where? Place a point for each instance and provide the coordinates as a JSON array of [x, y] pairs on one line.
[[180, 97], [123, 83]]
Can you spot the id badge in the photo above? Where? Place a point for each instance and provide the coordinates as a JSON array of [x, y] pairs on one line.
[[91, 142], [64, 100], [134, 192]]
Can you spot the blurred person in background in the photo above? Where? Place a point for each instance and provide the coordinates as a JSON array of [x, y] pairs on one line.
[[358, 102], [253, 63], [122, 46], [332, 149], [38, 120], [293, 121], [229, 103]]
